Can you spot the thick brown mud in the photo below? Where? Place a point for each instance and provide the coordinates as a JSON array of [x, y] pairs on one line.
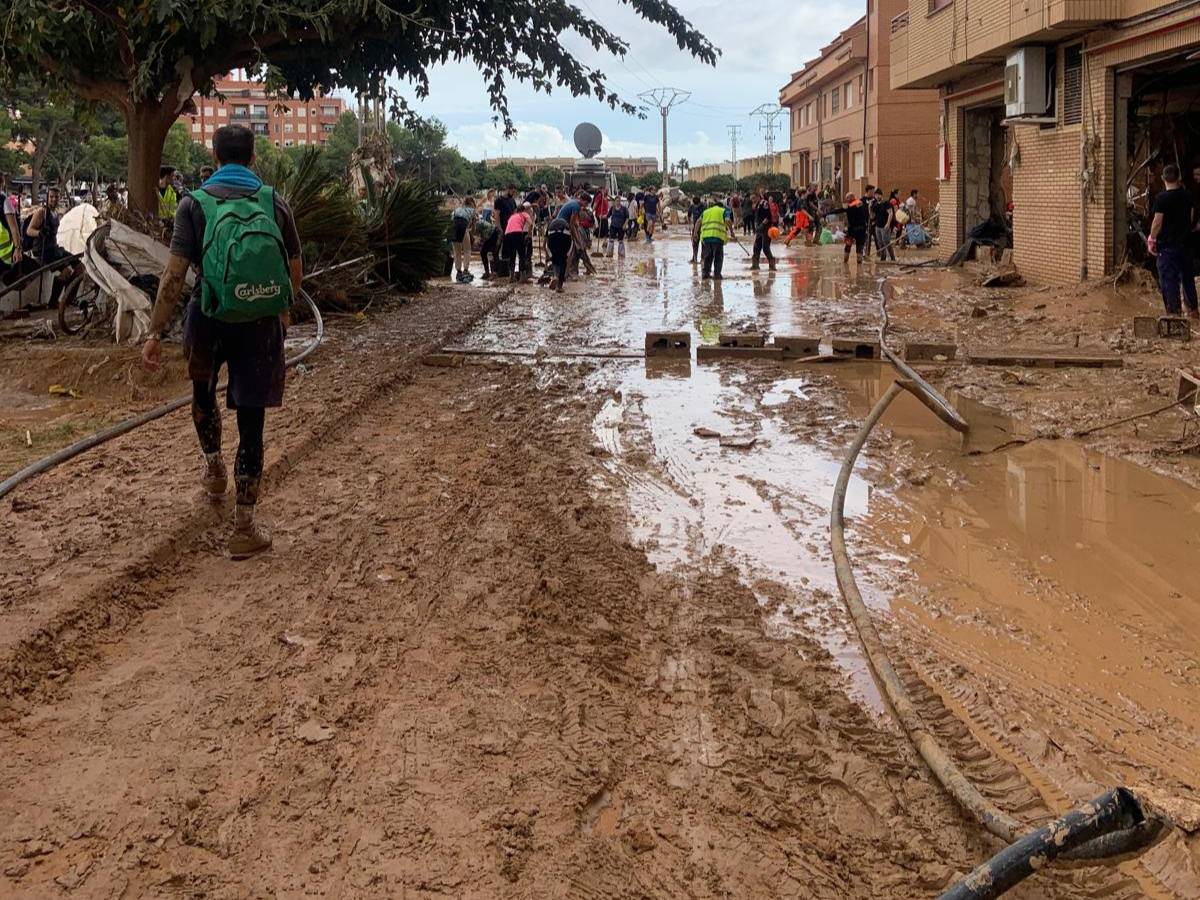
[[526, 632]]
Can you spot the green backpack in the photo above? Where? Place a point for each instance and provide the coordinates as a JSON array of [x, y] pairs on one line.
[[243, 258]]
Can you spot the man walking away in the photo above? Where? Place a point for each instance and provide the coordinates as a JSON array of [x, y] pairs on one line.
[[712, 229], [242, 240], [618, 219], [1170, 233]]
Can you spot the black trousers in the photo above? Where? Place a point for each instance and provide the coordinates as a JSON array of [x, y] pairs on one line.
[[762, 243], [248, 464], [712, 258]]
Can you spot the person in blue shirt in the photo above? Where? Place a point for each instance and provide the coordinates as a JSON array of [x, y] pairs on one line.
[[650, 207], [618, 218]]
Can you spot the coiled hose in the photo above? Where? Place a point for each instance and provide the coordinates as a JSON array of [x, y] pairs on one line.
[[1109, 827], [107, 434]]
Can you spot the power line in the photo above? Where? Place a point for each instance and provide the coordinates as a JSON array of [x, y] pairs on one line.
[[663, 99], [733, 136], [769, 113]]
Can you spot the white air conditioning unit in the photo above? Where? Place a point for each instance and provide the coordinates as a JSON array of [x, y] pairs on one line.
[[1025, 91]]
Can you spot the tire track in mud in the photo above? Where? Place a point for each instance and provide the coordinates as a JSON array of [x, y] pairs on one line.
[[114, 602]]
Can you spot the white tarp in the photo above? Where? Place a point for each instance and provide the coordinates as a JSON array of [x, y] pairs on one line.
[[75, 226], [113, 244]]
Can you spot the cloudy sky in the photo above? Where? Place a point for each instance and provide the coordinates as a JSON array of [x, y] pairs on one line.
[[761, 45]]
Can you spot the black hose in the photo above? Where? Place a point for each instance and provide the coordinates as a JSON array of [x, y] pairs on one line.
[[107, 434], [1116, 811]]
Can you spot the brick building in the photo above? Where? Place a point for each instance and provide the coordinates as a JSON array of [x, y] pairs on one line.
[[620, 165], [848, 127], [1101, 94], [285, 121]]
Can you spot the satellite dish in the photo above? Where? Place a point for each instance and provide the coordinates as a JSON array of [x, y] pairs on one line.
[[587, 139]]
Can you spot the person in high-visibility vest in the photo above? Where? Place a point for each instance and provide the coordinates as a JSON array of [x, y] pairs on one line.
[[713, 228], [10, 234], [168, 199]]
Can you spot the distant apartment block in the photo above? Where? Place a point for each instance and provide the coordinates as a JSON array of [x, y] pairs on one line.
[[848, 127], [286, 122], [1068, 110]]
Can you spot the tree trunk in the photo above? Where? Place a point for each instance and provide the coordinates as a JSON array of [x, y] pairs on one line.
[[147, 123]]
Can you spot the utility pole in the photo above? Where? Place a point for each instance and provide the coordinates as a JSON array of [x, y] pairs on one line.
[[769, 113], [734, 130], [663, 99]]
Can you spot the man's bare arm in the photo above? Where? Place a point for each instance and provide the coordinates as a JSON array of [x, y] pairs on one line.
[[169, 290], [35, 223]]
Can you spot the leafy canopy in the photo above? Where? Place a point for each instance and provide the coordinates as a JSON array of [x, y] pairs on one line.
[[132, 52]]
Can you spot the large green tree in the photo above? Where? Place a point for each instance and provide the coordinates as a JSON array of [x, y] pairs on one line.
[[149, 58], [549, 176], [46, 119]]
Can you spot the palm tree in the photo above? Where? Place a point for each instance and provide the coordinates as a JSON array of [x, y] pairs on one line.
[[683, 167]]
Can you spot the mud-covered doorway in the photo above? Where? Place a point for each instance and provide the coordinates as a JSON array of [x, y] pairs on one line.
[[986, 180], [1157, 123]]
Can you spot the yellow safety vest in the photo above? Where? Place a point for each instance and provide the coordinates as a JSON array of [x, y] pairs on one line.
[[712, 223], [6, 240], [168, 200]]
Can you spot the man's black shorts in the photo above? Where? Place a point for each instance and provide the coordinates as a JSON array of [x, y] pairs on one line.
[[252, 351]]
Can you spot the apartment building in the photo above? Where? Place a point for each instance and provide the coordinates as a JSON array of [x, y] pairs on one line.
[[848, 127], [287, 122], [620, 165], [764, 163], [1067, 109]]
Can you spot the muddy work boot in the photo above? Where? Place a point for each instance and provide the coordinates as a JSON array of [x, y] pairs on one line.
[[248, 538], [216, 478], [771, 265]]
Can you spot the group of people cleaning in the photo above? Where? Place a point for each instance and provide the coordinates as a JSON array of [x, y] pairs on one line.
[[503, 228]]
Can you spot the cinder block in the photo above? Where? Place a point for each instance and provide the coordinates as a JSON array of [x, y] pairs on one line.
[[855, 347], [1145, 327], [797, 346], [925, 352], [733, 339], [709, 353], [668, 343], [1174, 327]]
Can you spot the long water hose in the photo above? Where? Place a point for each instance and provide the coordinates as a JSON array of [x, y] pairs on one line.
[[107, 434], [1109, 827]]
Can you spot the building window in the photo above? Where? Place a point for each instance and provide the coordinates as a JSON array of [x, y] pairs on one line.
[[195, 126], [327, 127], [1072, 90], [870, 157], [302, 112], [329, 110], [938, 5], [870, 79], [241, 112], [303, 129], [856, 164], [848, 94], [816, 176], [222, 111], [208, 110], [287, 126], [835, 97], [288, 143]]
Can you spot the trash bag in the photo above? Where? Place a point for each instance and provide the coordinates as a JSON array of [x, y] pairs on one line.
[[826, 236]]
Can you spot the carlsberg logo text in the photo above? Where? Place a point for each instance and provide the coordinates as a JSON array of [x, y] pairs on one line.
[[256, 291]]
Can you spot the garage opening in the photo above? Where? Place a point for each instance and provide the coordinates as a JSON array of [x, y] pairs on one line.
[[1158, 109], [986, 179]]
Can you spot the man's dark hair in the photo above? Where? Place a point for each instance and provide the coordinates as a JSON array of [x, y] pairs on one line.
[[234, 144], [512, 187], [913, 192], [164, 171], [1170, 173]]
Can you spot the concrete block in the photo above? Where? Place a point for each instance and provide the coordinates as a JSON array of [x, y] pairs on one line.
[[733, 339], [1048, 358], [1145, 327], [668, 343], [925, 352], [710, 353], [797, 346], [858, 348], [1174, 327]]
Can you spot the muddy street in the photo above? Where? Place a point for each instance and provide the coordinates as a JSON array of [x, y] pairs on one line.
[[567, 626]]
